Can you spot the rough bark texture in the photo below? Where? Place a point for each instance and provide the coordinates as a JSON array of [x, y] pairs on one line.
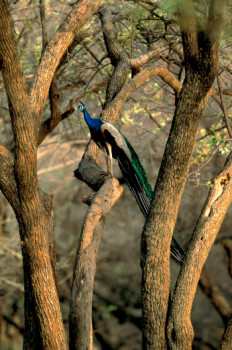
[[117, 55], [201, 60], [167, 195], [33, 210], [180, 331], [226, 343], [85, 264], [117, 94]]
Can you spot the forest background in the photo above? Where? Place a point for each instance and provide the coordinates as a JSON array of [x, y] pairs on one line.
[[147, 30]]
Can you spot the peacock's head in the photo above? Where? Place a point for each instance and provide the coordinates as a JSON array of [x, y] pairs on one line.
[[81, 106]]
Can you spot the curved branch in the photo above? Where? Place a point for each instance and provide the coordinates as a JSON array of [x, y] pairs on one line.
[[213, 213], [117, 55], [113, 109], [227, 244], [214, 293], [227, 121], [55, 50], [115, 51]]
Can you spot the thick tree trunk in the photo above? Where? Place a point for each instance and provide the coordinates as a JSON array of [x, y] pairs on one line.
[[167, 195], [200, 49], [33, 209], [44, 323]]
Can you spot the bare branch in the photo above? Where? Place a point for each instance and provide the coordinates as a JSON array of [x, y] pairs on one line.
[[226, 343], [215, 19], [227, 244], [213, 213], [117, 55], [215, 295], [227, 92], [115, 52], [67, 107], [113, 110], [85, 264], [227, 121], [54, 51], [138, 62], [21, 118], [43, 24]]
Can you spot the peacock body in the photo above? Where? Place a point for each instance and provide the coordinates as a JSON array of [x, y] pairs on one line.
[[115, 145]]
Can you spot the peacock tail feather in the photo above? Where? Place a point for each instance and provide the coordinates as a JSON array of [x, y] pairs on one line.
[[139, 170]]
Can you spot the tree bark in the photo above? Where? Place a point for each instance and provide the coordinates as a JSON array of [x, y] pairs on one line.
[[180, 331], [200, 51], [44, 327], [226, 343], [54, 51], [117, 55], [80, 319]]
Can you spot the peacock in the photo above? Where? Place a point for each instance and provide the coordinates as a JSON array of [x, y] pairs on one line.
[[115, 145]]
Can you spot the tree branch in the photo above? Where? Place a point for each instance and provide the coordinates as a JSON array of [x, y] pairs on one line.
[[111, 113], [85, 264], [67, 108], [216, 19], [212, 215], [43, 24], [214, 293], [138, 62], [187, 22], [54, 51], [113, 110], [227, 121], [117, 55], [226, 343], [227, 244]]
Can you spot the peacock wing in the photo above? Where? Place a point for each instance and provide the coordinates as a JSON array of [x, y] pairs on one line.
[[124, 153]]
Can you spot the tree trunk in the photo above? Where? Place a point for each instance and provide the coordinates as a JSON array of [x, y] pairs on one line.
[[200, 51], [43, 319], [33, 209], [80, 319], [166, 199]]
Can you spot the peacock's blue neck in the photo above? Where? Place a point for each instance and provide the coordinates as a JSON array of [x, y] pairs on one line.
[[93, 123]]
